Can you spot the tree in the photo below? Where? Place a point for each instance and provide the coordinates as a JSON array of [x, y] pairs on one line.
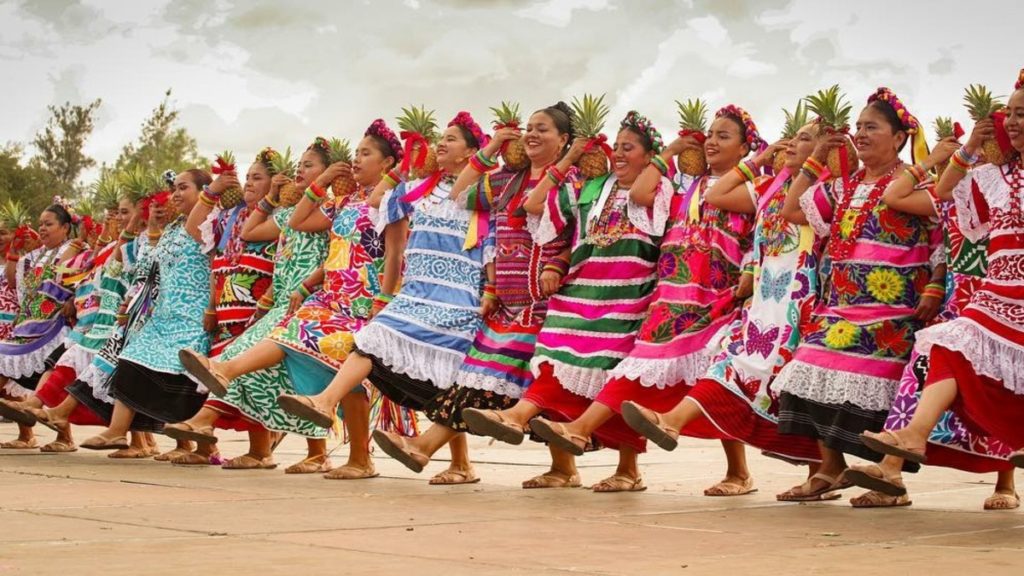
[[162, 145], [59, 145], [34, 185]]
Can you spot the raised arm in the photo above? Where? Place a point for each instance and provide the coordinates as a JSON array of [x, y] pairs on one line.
[[791, 209], [905, 194], [983, 130], [730, 192], [644, 189], [307, 216], [539, 194], [208, 198], [473, 171]]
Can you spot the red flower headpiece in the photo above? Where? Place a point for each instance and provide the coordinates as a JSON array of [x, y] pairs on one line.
[[465, 119], [909, 121], [265, 156], [320, 143], [640, 122], [1020, 80], [379, 128], [754, 139]]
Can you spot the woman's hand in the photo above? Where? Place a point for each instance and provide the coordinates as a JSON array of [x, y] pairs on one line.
[[501, 136], [745, 288], [827, 144], [295, 301], [576, 150], [983, 130], [767, 156], [224, 181], [928, 308], [942, 152], [333, 172], [489, 306], [550, 282], [68, 311], [276, 183]]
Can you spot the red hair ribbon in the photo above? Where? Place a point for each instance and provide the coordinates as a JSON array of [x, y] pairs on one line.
[[425, 187], [601, 142], [1002, 138], [699, 136], [411, 139]]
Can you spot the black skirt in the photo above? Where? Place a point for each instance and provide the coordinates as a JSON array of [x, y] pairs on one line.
[[32, 381], [82, 392], [402, 389], [446, 408], [836, 426], [163, 397]]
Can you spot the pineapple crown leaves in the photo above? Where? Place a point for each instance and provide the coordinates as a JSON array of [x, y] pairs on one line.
[[223, 162], [831, 107], [795, 120], [419, 120], [980, 102], [281, 163], [693, 115], [108, 189], [944, 127], [340, 150], [507, 115], [13, 214], [138, 183], [591, 114], [637, 121], [909, 121]]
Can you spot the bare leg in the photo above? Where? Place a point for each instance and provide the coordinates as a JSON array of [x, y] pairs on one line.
[[935, 400], [563, 469], [433, 439], [261, 356], [356, 408], [260, 442], [737, 474], [592, 418], [120, 422], [25, 434], [355, 369], [521, 413], [460, 452]]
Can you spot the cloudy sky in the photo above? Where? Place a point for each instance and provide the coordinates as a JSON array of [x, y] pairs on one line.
[[248, 74]]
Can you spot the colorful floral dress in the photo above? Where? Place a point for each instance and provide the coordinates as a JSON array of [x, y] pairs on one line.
[[241, 274], [421, 337], [846, 371], [593, 320], [8, 307], [39, 327], [149, 377], [983, 348], [254, 395], [496, 369], [735, 393]]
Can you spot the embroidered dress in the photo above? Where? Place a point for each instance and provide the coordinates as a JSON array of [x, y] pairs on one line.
[[734, 394], [593, 320], [846, 371], [39, 328], [241, 274], [8, 307], [418, 341], [252, 397], [496, 369], [983, 348], [149, 377]]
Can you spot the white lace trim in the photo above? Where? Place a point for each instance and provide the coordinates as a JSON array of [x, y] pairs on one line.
[[810, 208], [478, 381], [541, 228], [836, 387], [98, 382], [993, 188], [24, 365], [664, 373], [586, 382], [16, 390], [207, 233], [988, 355], [435, 365], [77, 358], [490, 251], [652, 221]]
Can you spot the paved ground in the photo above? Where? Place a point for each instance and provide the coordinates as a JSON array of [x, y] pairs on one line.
[[86, 514]]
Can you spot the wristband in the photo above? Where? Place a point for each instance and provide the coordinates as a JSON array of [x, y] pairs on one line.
[[813, 169], [659, 163], [747, 170], [555, 176], [13, 258], [265, 206], [916, 173], [392, 178], [317, 190], [303, 291], [481, 163], [126, 235], [209, 312], [556, 265]]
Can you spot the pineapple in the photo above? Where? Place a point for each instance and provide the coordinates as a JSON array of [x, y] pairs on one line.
[[289, 194], [981, 105], [590, 118], [693, 116], [137, 183], [225, 161], [417, 120], [107, 194], [14, 214], [943, 129], [341, 151], [831, 107], [514, 152], [794, 122]]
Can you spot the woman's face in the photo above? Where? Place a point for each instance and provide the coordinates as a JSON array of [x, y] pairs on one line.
[[51, 232], [185, 193], [876, 141], [542, 141], [369, 163], [125, 212], [724, 147], [453, 151], [1014, 123], [257, 183], [311, 165], [800, 147], [629, 157]]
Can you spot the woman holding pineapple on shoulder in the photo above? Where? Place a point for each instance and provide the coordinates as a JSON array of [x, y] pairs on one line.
[[734, 393], [593, 319], [496, 370], [876, 272], [974, 359], [414, 346], [306, 342]]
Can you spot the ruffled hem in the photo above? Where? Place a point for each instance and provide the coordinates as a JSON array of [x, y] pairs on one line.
[[99, 383], [31, 363], [541, 228], [437, 366], [206, 231], [835, 387], [660, 373], [77, 358], [988, 355], [488, 383], [652, 221], [586, 382], [15, 390]]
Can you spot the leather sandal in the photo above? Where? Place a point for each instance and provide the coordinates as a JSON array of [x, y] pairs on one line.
[[888, 442], [350, 472], [872, 477], [1002, 501], [724, 488], [317, 464], [193, 459], [199, 366], [129, 453], [552, 480], [102, 443], [876, 499], [620, 483], [20, 444], [804, 493], [59, 447], [558, 435], [15, 413], [493, 424], [170, 455], [650, 425], [186, 431], [247, 462], [1017, 458], [451, 477], [398, 448], [303, 407]]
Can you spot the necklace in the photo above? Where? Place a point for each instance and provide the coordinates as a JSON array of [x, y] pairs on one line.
[[1013, 176], [840, 246], [612, 224], [36, 277]]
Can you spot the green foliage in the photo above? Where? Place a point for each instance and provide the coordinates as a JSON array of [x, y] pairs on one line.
[[162, 144], [59, 145]]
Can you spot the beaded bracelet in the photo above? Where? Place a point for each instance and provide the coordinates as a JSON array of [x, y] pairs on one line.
[[265, 206], [489, 291], [264, 305], [812, 168], [77, 245], [558, 265], [748, 170], [481, 163], [555, 176], [210, 312], [392, 178], [917, 173], [13, 257], [382, 300], [659, 163], [127, 236], [317, 190], [312, 196], [303, 291], [961, 160]]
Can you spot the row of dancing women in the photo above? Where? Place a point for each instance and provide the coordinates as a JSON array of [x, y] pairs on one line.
[[810, 312]]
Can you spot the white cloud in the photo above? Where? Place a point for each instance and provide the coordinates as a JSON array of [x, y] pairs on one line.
[[559, 12]]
